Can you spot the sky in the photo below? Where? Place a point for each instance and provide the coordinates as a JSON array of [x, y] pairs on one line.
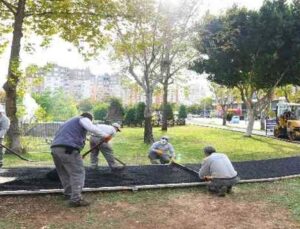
[[65, 54]]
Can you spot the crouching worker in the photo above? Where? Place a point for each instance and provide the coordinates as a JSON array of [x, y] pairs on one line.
[[217, 169], [65, 150], [105, 147], [158, 153]]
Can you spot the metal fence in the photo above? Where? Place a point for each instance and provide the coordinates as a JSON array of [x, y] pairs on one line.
[[46, 129]]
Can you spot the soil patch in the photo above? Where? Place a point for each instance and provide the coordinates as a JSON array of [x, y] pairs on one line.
[[187, 210]]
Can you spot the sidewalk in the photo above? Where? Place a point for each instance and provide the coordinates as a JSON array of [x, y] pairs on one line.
[[217, 123]]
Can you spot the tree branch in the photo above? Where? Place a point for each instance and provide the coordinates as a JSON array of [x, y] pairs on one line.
[[11, 7], [47, 13]]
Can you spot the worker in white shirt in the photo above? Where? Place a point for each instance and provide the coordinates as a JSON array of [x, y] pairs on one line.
[[105, 148], [218, 169]]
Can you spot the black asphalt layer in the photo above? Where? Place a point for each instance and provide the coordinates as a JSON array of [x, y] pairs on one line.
[[37, 178]]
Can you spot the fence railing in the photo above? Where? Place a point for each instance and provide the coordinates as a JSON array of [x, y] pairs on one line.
[[47, 129]]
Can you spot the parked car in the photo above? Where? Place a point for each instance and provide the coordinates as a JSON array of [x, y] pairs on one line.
[[235, 119]]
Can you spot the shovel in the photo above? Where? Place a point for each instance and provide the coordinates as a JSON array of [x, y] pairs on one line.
[[13, 152], [191, 171]]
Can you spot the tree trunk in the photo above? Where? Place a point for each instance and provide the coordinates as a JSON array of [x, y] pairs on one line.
[[164, 126], [148, 134], [224, 115], [262, 120], [251, 114], [10, 85]]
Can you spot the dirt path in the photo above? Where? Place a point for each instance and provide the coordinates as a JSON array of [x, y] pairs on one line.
[[147, 209]]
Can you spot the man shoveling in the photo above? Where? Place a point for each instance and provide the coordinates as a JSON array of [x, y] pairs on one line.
[[158, 153], [104, 147]]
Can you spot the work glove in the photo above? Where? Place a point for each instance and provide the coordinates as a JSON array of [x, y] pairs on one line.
[[108, 138], [207, 178], [159, 152]]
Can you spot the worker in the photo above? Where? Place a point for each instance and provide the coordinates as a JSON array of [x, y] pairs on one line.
[[158, 153], [218, 169], [65, 150], [104, 147], [4, 126]]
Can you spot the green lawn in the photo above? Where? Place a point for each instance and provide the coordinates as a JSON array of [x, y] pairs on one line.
[[188, 142]]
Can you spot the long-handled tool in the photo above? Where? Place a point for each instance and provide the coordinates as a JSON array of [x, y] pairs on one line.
[[91, 149], [191, 171], [121, 162], [13, 152]]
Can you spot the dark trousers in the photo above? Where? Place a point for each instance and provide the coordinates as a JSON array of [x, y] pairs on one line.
[[218, 184], [154, 157]]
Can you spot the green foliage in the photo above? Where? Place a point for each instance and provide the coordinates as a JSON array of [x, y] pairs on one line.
[[290, 92], [100, 111], [44, 99], [85, 105], [62, 106], [57, 106], [115, 110], [169, 111], [130, 116], [194, 109], [140, 110], [206, 103], [182, 112], [41, 115], [251, 50]]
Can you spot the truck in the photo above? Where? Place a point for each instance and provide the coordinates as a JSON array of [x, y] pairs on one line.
[[287, 121]]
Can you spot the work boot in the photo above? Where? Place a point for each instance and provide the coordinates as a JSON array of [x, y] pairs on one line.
[[154, 162], [67, 197], [229, 190], [79, 203], [222, 191]]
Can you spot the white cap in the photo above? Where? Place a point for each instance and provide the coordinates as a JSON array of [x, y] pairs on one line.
[[117, 126], [165, 137], [2, 109]]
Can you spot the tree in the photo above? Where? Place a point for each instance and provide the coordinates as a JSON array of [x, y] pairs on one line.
[[44, 99], [79, 22], [169, 111], [100, 111], [138, 47], [62, 106], [176, 44], [289, 92], [130, 116], [252, 51], [115, 110], [182, 114], [140, 110], [206, 105], [55, 106], [85, 105], [224, 96]]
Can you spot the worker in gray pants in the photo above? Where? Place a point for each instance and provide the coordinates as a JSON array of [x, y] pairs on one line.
[[4, 126], [65, 150], [218, 169], [105, 148]]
